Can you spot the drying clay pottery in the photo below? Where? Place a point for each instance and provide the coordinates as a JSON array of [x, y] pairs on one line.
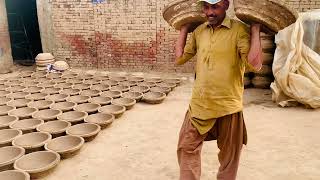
[[165, 90], [18, 103], [60, 65], [17, 88], [128, 83], [169, 85], [154, 80], [32, 142], [8, 135], [42, 80], [8, 155], [101, 100], [4, 100], [57, 81], [79, 99], [87, 107], [101, 87], [66, 146], [121, 88], [102, 119], [17, 95], [5, 109], [46, 84], [142, 89], [261, 82], [26, 125], [91, 93], [3, 87], [110, 82], [119, 78], [176, 81], [25, 74], [70, 92], [116, 110], [38, 164], [53, 75], [133, 95], [81, 86], [40, 105], [47, 114], [5, 121], [112, 94], [3, 81], [13, 83], [154, 97], [57, 97], [33, 89], [75, 81], [5, 93], [92, 81], [64, 85], [39, 74], [44, 56], [73, 117], [136, 79], [23, 113], [51, 90], [37, 96], [63, 106], [85, 76], [88, 131], [69, 76], [55, 128], [14, 175]]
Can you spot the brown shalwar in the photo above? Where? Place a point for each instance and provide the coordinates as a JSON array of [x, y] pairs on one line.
[[230, 133]]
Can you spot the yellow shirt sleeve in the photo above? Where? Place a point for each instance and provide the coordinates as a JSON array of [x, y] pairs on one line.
[[190, 50]]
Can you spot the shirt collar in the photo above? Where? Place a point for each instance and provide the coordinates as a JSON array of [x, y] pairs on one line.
[[226, 23]]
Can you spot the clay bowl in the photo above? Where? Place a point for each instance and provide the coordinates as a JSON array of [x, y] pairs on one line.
[[18, 103], [64, 85], [101, 100], [26, 125], [63, 106], [32, 142], [8, 155], [39, 74], [119, 78], [33, 89], [141, 89], [58, 81], [17, 95], [126, 102], [91, 93], [37, 96], [169, 85], [79, 99], [136, 79], [40, 105], [102, 119], [88, 131], [47, 114], [51, 90], [154, 97], [165, 90], [101, 87], [5, 93], [38, 164], [87, 107], [55, 128], [92, 81], [5, 121], [69, 76], [85, 76], [13, 83], [18, 88], [81, 86], [5, 109], [116, 110], [74, 117], [128, 83], [110, 82], [41, 80], [66, 146], [57, 97], [44, 56], [25, 74], [4, 100], [154, 80], [3, 87], [75, 81], [70, 92], [102, 77], [14, 175], [23, 113], [3, 81], [121, 88], [54, 75], [133, 95], [112, 94], [8, 135], [176, 81], [47, 84]]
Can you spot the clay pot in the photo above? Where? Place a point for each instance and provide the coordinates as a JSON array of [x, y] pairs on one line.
[[5, 121], [115, 110], [8, 155], [165, 90], [39, 74], [37, 96], [58, 97], [70, 92], [55, 128], [141, 89], [81, 86], [176, 81], [74, 117], [17, 95], [5, 93], [25, 74], [51, 90], [5, 109], [66, 146], [18, 88], [79, 99], [102, 119], [54, 75], [38, 164], [18, 103], [88, 131], [8, 135], [75, 81], [46, 84], [26, 125], [169, 85], [40, 105], [47, 114], [136, 79], [92, 81], [63, 106], [101, 87], [121, 88], [154, 97], [112, 94], [32, 142], [262, 82], [64, 85], [23, 113], [154, 80], [33, 90], [133, 95], [101, 100], [4, 100], [87, 107], [119, 78], [110, 82], [91, 93], [14, 175]]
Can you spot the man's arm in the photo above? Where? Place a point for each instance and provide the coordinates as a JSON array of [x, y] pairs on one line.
[[183, 54], [255, 52]]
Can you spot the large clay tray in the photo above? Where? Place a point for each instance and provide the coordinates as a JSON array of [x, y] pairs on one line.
[[47, 114], [87, 107], [63, 106], [71, 92], [79, 99], [91, 93], [73, 117], [58, 97]]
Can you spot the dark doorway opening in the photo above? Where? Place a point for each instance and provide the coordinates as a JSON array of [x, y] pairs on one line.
[[24, 30]]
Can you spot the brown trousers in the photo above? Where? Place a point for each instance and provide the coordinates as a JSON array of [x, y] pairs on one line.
[[230, 133]]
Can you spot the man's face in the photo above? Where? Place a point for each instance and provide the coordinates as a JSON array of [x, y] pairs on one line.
[[215, 12]]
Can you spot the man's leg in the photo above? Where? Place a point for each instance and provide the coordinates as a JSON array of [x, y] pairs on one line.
[[231, 137], [189, 151]]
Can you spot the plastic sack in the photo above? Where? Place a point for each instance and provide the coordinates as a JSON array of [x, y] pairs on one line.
[[296, 65]]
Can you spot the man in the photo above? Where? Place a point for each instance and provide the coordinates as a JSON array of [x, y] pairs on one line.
[[224, 49]]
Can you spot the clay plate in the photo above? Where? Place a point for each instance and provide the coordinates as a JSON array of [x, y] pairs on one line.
[[86, 130], [69, 76], [128, 83], [63, 106], [47, 84], [14, 175], [39, 74], [42, 104], [5, 121], [5, 109], [8, 155], [26, 125], [101, 100], [8, 135], [141, 89], [58, 97], [25, 74], [112, 94], [55, 128], [18, 103], [87, 107], [102, 119], [154, 97], [70, 92], [32, 142], [47, 114], [91, 93], [85, 76], [58, 81], [116, 110], [133, 95], [73, 117], [79, 99], [3, 87]]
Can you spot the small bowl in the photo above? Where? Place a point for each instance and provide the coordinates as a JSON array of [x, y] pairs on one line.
[[14, 82], [91, 93], [3, 81], [69, 76], [142, 89], [88, 131], [87, 107], [101, 100], [5, 93], [116, 110], [66, 146], [17, 88], [51, 90], [110, 82], [26, 125], [149, 84], [63, 106], [64, 85], [70, 92], [55, 128], [4, 100], [112, 94], [14, 175], [23, 113], [47, 84], [25, 74], [33, 89], [128, 83], [154, 80], [57, 97], [54, 75], [92, 81], [121, 88], [5, 109], [18, 103], [3, 87], [126, 102], [58, 81], [136, 79], [32, 142], [176, 81], [39, 74], [74, 117], [119, 78], [79, 99], [102, 77], [102, 119], [85, 76], [5, 121], [37, 96], [38, 164], [133, 95], [8, 155], [81, 86], [154, 97], [75, 81], [18, 95], [101, 87], [165, 90], [40, 105], [169, 85], [8, 135], [47, 114]]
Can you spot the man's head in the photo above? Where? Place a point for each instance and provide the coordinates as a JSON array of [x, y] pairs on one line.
[[215, 10]]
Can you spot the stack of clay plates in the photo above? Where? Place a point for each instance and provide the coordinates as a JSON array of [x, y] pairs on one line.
[[43, 59]]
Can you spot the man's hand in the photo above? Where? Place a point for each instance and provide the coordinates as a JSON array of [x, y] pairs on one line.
[[255, 53]]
